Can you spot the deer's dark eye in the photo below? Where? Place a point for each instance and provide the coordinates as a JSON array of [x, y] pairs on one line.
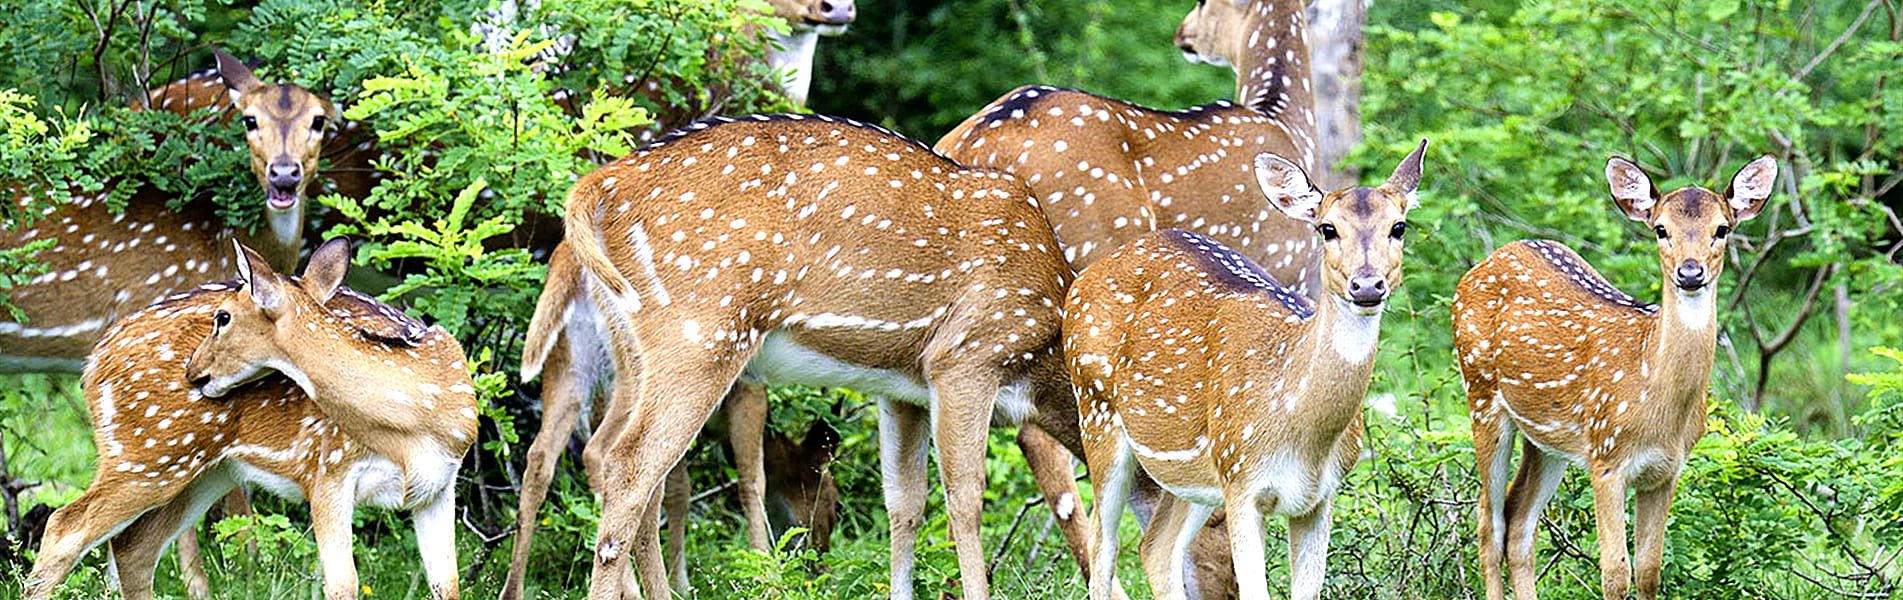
[[250, 123], [1659, 229], [1328, 232], [1723, 230], [221, 319], [1399, 230], [317, 123]]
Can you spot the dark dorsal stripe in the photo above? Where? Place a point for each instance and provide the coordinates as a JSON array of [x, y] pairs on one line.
[[1023, 101], [1229, 269], [373, 320], [697, 126], [1582, 275]]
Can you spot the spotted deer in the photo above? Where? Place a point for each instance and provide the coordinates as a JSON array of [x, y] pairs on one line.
[[296, 385], [1194, 365], [346, 148], [1107, 171], [568, 347], [818, 250], [107, 264], [1547, 349]]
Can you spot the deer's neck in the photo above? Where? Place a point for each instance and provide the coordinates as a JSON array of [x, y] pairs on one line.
[[1271, 63], [792, 56], [1681, 345], [1332, 362], [280, 239], [412, 405]]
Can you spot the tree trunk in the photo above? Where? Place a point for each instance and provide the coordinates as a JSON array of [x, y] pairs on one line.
[[1335, 41]]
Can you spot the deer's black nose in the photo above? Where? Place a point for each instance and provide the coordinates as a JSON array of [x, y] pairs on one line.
[[1368, 290], [1690, 275]]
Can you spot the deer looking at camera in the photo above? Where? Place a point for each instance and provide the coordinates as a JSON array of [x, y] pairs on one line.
[[1107, 171], [109, 264], [299, 386], [823, 251], [1547, 348], [1229, 389]]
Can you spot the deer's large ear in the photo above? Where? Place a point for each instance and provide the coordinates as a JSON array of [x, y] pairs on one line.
[[1407, 177], [264, 285], [1287, 187], [326, 270], [1631, 189], [1751, 187], [237, 76]]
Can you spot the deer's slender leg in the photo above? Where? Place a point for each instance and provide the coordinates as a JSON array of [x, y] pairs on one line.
[[1650, 507], [1493, 455], [1308, 550], [1534, 486], [676, 494], [1608, 503], [136, 551], [1165, 545], [1111, 470], [562, 399], [902, 445], [331, 510], [746, 427], [961, 420], [675, 399], [436, 542], [1245, 543], [97, 514]]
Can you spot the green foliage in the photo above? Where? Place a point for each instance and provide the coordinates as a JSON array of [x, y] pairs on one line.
[[920, 67]]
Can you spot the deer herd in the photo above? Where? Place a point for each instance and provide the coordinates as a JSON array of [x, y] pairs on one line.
[[1163, 294]]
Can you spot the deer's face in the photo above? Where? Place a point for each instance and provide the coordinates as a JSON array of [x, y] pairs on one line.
[[284, 129], [1215, 31], [249, 329], [829, 17], [802, 482], [1362, 230], [240, 349], [1692, 224]]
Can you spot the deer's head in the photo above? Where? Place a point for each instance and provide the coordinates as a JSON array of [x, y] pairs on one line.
[[284, 127], [251, 330], [1218, 32], [1693, 224], [1362, 229], [828, 17]]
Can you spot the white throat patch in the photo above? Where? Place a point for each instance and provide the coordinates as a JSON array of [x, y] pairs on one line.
[[1355, 334], [1694, 310], [793, 58]]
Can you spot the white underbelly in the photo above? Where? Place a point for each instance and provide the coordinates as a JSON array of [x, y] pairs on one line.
[[1293, 486], [782, 360], [372, 481]]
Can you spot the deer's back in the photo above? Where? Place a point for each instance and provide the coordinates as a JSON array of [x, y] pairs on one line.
[[1108, 171], [105, 265]]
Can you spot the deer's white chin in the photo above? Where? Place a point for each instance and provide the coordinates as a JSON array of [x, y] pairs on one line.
[[1197, 57]]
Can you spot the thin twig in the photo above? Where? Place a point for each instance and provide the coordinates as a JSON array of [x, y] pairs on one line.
[[1848, 31]]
